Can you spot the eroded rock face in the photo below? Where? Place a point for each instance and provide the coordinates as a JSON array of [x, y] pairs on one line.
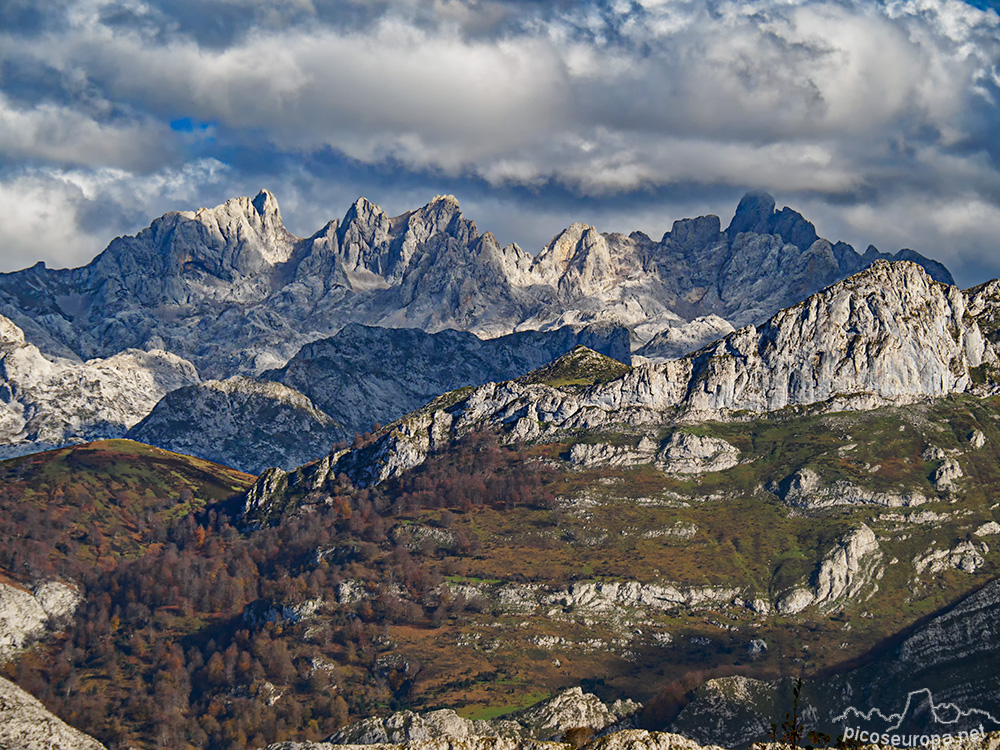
[[241, 422], [25, 617], [25, 724], [966, 556], [946, 474], [843, 574], [806, 489], [681, 339], [22, 619], [548, 720], [611, 596], [46, 402], [696, 454], [587, 455]]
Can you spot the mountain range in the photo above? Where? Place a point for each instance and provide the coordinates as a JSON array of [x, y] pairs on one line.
[[229, 291], [662, 471]]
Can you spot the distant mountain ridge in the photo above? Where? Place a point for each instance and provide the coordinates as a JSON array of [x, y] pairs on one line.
[[230, 289]]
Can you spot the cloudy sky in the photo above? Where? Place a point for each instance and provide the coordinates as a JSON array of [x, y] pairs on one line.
[[877, 120]]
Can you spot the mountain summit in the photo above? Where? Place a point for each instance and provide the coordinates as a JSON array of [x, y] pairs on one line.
[[230, 289]]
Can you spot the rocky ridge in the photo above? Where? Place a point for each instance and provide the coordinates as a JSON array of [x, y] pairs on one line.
[[230, 289], [50, 401], [889, 335], [25, 724], [547, 721], [843, 573], [336, 388], [243, 422], [366, 374]]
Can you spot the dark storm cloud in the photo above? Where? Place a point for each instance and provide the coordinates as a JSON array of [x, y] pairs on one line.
[[879, 120]]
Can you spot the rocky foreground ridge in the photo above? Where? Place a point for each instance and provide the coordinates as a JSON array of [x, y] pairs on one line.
[[570, 720], [940, 678], [25, 724], [230, 289], [888, 335]]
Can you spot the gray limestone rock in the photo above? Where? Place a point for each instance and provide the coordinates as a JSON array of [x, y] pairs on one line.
[[365, 375], [965, 556], [46, 402], [230, 289], [25, 616], [241, 422], [548, 720], [685, 453], [945, 475], [889, 335], [25, 724], [806, 489], [677, 340], [842, 574]]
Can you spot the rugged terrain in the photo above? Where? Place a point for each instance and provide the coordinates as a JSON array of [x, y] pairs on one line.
[[811, 494], [230, 289], [336, 388], [888, 335], [50, 401]]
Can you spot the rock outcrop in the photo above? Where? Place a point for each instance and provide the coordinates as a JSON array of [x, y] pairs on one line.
[[676, 341], [26, 616], [945, 475], [25, 724], [966, 556], [843, 574], [242, 422], [806, 489], [686, 453], [548, 721], [50, 401]]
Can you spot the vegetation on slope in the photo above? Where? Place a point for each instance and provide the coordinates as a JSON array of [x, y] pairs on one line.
[[358, 601], [578, 368]]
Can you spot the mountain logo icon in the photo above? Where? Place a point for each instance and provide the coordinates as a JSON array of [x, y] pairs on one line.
[[920, 710]]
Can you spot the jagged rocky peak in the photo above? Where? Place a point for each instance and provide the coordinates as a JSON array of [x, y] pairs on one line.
[[578, 260], [242, 222], [702, 231], [890, 331], [756, 213], [370, 240], [228, 251], [753, 214]]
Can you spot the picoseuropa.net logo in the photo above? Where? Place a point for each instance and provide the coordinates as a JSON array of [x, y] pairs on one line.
[[942, 724]]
